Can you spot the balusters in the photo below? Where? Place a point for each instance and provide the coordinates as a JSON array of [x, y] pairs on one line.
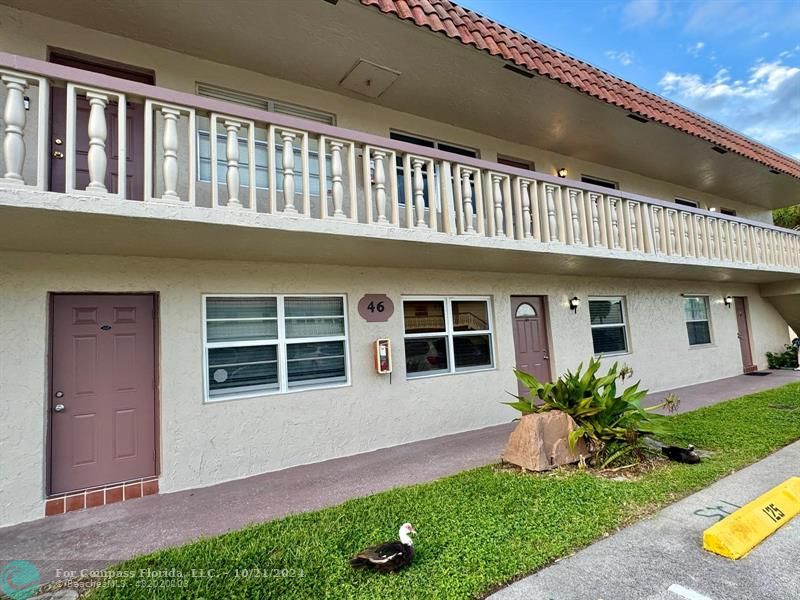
[[98, 133], [14, 117], [594, 208], [380, 186], [170, 141], [232, 162], [466, 194], [657, 210], [419, 191], [337, 190], [574, 196], [526, 208], [673, 231], [614, 217], [552, 219], [497, 197], [634, 226], [288, 172], [734, 242], [712, 240]]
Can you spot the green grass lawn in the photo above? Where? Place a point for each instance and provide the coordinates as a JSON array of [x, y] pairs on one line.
[[477, 530]]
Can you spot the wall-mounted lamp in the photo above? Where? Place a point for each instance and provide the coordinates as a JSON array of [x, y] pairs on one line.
[[728, 301], [562, 172], [26, 102], [574, 303]]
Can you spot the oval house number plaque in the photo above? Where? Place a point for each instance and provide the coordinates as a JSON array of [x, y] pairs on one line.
[[375, 308]]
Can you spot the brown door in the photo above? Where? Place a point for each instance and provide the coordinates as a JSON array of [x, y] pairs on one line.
[[134, 117], [530, 337], [103, 390], [743, 324]]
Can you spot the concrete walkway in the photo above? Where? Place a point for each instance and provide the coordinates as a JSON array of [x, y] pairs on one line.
[[98, 537], [662, 558]]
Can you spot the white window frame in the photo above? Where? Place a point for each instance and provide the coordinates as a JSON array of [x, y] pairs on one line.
[[624, 325], [280, 342], [450, 334], [705, 299]]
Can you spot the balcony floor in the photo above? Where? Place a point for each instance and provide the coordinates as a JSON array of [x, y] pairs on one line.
[[36, 221]]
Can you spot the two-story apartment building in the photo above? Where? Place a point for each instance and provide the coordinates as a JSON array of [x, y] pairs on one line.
[[210, 212]]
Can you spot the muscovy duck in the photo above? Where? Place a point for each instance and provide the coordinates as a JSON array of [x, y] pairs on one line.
[[685, 455], [389, 556]]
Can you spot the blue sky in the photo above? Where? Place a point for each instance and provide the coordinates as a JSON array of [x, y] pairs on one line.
[[735, 61]]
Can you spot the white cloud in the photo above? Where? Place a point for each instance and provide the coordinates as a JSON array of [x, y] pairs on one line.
[[641, 12], [764, 106], [623, 58], [695, 49]]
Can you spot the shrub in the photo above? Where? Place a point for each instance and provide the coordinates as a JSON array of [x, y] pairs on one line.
[[783, 359], [611, 422]]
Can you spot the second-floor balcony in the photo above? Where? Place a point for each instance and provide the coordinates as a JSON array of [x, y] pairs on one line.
[[190, 176]]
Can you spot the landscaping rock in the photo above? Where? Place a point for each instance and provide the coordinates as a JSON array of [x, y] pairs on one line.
[[540, 442]]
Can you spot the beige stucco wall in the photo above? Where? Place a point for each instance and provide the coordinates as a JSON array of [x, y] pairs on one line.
[[206, 443], [30, 34]]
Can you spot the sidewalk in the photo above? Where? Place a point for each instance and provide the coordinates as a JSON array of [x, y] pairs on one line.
[[662, 558], [104, 535]]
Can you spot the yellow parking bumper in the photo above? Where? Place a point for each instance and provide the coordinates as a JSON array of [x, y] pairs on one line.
[[737, 534]]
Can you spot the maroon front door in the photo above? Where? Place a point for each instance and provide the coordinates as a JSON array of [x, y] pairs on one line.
[[134, 127], [530, 337], [102, 406], [743, 325]]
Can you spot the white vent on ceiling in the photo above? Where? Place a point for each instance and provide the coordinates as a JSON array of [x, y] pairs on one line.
[[369, 79]]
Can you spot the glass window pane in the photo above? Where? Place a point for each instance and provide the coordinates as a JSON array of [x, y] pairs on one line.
[[695, 309], [471, 351], [231, 307], [699, 333], [316, 363], [470, 315], [313, 306], [525, 310], [240, 331], [604, 312], [609, 339], [235, 370], [426, 355], [314, 327], [423, 316]]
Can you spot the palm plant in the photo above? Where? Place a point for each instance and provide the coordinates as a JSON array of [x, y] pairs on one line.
[[607, 419]]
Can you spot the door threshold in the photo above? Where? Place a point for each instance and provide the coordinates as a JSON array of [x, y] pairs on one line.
[[111, 493]]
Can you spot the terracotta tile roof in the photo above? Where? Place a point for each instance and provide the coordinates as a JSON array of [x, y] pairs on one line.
[[472, 29]]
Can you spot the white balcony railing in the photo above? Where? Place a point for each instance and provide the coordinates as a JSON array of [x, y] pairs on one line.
[[310, 170]]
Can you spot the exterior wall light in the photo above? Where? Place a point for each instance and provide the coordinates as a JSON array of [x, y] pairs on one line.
[[26, 102], [574, 303], [562, 172], [728, 301]]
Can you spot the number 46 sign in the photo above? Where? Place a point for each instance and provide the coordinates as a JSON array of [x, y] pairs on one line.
[[375, 308]]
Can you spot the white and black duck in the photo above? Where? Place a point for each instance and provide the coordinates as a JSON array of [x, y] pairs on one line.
[[389, 556]]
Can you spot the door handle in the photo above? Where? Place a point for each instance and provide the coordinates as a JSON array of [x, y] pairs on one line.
[[546, 357], [58, 407], [58, 154]]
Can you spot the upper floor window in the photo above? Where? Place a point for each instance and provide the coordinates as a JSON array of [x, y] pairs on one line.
[[685, 202], [256, 345], [728, 211], [606, 183], [698, 323], [261, 146], [517, 163], [427, 143], [609, 326], [447, 335]]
